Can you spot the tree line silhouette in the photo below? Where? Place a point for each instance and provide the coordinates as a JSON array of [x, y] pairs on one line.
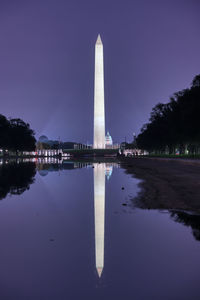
[[174, 127], [16, 135]]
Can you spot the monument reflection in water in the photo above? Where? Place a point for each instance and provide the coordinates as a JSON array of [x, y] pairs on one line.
[[99, 214], [100, 172]]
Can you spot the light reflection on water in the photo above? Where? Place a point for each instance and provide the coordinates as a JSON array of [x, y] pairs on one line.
[[65, 234], [100, 171]]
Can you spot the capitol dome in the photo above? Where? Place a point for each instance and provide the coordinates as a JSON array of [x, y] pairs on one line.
[[108, 139], [43, 139]]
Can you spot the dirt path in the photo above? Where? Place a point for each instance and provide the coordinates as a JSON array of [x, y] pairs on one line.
[[166, 183]]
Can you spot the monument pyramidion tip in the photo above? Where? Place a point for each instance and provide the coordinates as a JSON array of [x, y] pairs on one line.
[[99, 41]]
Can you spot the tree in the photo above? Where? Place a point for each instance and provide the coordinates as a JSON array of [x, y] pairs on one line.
[[21, 136], [196, 81], [4, 132], [174, 125]]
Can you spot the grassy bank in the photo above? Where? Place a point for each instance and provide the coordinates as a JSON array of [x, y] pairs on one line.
[[190, 156], [185, 156], [91, 152]]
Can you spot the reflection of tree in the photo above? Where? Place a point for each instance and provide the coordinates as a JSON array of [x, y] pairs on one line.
[[188, 219], [44, 168], [16, 178]]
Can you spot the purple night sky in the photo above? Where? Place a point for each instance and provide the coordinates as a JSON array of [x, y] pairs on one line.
[[151, 50]]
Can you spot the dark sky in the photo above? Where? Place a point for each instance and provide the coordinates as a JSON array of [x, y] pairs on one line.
[[151, 50]]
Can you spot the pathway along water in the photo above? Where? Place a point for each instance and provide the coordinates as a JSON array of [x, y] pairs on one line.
[[70, 231]]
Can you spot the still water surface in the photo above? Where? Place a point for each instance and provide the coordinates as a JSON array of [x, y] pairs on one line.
[[70, 231]]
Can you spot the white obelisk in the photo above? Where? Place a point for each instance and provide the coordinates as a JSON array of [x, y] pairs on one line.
[[99, 215], [99, 113]]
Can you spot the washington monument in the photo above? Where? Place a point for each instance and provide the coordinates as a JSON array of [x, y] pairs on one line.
[[99, 112]]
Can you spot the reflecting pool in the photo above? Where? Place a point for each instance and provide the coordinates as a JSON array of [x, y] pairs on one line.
[[69, 230]]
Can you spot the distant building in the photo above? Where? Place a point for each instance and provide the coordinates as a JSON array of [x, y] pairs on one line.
[[108, 140], [43, 139]]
